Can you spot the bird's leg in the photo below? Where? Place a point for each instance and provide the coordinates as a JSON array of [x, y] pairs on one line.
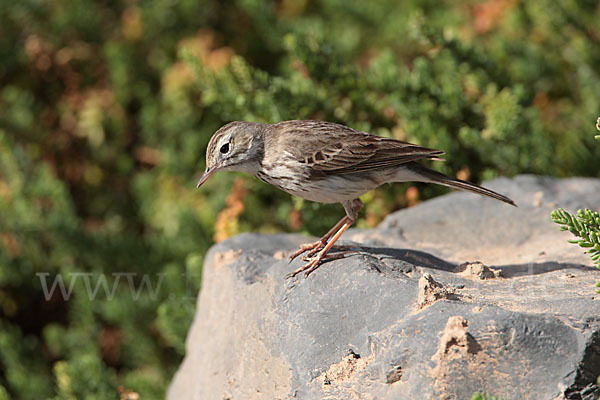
[[352, 207], [314, 247], [314, 262]]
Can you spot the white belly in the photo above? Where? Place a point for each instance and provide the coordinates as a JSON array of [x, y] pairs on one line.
[[333, 188]]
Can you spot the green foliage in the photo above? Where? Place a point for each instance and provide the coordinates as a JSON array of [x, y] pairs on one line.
[[585, 226], [106, 109], [484, 396]]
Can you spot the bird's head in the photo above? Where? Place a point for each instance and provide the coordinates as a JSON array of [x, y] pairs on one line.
[[237, 146]]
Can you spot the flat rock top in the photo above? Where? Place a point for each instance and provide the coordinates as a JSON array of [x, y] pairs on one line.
[[456, 295], [461, 226]]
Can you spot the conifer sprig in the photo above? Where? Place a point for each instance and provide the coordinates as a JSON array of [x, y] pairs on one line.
[[586, 227]]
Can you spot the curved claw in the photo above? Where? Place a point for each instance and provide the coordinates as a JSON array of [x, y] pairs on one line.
[[312, 263], [313, 247], [309, 267]]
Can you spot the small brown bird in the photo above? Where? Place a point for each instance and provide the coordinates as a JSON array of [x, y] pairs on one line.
[[324, 162]]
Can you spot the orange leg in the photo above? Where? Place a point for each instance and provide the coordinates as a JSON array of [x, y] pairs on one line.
[[314, 247], [315, 261]]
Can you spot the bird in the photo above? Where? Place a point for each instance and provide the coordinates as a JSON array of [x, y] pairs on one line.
[[325, 162]]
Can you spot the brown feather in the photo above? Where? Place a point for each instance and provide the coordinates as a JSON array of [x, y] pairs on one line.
[[336, 149]]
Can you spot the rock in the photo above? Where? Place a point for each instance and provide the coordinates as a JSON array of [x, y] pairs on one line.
[[417, 313], [478, 270], [431, 291]]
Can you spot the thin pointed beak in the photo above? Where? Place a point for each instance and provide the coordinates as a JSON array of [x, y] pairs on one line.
[[207, 174]]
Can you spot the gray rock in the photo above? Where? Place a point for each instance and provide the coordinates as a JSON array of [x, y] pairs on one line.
[[456, 295]]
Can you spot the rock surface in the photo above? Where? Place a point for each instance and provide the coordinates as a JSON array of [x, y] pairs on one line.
[[456, 295]]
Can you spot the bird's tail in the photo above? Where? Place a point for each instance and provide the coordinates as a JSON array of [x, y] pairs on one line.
[[429, 175]]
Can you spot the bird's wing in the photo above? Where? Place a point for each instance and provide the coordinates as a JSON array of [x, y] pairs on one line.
[[337, 149]]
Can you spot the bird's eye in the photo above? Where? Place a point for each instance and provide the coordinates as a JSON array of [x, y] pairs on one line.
[[225, 148]]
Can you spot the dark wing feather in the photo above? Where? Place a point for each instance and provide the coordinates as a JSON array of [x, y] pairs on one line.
[[337, 149]]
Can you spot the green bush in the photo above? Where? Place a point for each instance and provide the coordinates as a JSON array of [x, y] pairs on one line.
[[106, 109], [585, 226]]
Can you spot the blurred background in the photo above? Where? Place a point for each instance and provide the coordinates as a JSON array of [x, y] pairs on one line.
[[106, 107]]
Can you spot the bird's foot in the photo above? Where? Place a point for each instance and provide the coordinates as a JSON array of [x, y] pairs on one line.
[[313, 262], [311, 247], [336, 247]]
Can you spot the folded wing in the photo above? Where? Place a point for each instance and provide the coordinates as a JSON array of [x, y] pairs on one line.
[[337, 149]]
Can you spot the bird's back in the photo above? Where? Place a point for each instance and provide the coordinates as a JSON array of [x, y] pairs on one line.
[[329, 162]]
